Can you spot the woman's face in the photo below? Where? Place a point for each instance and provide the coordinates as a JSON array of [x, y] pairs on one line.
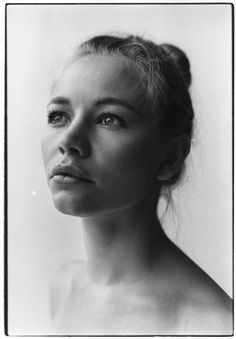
[[101, 150]]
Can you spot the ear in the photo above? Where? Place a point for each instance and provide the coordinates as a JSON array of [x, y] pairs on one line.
[[174, 159]]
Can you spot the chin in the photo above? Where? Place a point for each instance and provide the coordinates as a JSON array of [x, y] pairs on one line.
[[73, 205], [90, 204]]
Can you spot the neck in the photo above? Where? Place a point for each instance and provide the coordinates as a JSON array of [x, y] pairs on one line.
[[122, 245]]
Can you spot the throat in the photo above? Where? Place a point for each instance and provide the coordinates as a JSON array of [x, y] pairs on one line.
[[119, 254]]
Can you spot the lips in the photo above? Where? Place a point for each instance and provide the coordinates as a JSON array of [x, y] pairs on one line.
[[69, 174]]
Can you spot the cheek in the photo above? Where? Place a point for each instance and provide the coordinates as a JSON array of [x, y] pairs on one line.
[[48, 149], [131, 162]]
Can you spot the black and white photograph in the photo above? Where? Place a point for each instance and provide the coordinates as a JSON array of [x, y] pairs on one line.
[[119, 169]]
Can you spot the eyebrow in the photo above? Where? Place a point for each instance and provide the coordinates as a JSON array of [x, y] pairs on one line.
[[115, 101], [59, 101], [105, 101]]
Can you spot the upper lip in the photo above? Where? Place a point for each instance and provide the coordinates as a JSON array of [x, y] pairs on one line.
[[71, 170]]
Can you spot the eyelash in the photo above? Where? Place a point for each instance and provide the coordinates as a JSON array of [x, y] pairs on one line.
[[104, 116], [51, 116]]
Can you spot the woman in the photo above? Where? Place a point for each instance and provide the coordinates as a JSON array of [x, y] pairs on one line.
[[120, 123]]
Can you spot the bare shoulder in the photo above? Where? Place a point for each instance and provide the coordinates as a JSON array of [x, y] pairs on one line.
[[61, 283], [207, 312], [205, 309]]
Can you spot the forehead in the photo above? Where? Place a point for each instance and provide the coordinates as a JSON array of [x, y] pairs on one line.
[[97, 76]]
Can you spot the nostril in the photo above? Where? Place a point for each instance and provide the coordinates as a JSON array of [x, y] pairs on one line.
[[61, 150], [74, 151], [69, 150], [79, 147]]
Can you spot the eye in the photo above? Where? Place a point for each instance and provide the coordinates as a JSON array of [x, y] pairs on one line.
[[57, 118], [111, 120]]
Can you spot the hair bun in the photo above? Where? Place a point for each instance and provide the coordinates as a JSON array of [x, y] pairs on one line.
[[180, 60]]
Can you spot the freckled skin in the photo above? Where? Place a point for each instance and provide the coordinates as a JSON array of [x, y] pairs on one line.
[[121, 161]]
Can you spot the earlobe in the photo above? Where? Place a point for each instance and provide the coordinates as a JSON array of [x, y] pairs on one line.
[[166, 171], [174, 160]]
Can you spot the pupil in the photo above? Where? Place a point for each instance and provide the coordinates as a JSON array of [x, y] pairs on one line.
[[57, 118], [108, 120]]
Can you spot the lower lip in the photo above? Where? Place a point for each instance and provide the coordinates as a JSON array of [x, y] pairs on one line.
[[67, 179]]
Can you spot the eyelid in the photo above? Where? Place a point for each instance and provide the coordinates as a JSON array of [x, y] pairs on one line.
[[57, 110], [54, 112], [115, 114], [120, 120], [56, 107], [51, 114]]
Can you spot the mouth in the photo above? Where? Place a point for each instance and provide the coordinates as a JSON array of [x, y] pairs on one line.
[[67, 179], [67, 174]]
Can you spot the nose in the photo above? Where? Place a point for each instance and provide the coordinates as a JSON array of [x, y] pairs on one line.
[[74, 141]]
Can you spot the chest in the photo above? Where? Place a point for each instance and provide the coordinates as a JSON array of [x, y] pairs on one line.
[[87, 314]]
